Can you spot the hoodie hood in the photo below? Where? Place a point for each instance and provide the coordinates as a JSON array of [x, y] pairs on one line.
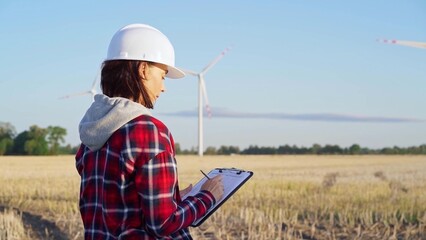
[[105, 116]]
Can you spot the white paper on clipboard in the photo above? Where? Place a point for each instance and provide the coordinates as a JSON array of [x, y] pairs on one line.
[[232, 180]]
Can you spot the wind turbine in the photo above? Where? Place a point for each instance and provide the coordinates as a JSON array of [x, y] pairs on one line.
[[202, 93], [404, 43], [92, 91]]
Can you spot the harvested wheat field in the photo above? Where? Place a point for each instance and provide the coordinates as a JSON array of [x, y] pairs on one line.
[[289, 197]]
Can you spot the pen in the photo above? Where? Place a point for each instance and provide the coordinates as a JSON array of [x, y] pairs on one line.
[[205, 174]]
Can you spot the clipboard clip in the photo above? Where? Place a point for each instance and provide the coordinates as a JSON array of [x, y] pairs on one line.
[[239, 171]]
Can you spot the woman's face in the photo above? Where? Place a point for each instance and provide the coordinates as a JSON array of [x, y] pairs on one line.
[[153, 76]]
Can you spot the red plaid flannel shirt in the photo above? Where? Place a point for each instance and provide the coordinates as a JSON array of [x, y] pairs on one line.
[[129, 187]]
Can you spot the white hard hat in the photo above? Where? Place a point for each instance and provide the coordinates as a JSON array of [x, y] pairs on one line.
[[145, 43]]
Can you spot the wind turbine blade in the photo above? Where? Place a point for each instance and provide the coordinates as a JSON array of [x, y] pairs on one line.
[[95, 81], [76, 94], [206, 100], [404, 43], [216, 60], [189, 72], [93, 89]]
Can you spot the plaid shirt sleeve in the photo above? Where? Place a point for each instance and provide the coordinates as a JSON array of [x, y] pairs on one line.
[[150, 146], [157, 186]]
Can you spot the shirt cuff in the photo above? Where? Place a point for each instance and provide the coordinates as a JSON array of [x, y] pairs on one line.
[[207, 197]]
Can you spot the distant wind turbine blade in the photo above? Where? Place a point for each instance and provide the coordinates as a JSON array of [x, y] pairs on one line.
[[189, 72], [76, 94], [95, 81], [210, 65], [206, 100], [92, 91], [404, 43]]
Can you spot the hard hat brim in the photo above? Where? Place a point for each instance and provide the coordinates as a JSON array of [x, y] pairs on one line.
[[174, 72]]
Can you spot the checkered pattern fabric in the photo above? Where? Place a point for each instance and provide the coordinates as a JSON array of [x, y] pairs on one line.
[[129, 187]]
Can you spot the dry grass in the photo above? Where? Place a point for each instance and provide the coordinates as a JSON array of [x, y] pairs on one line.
[[320, 197], [289, 197], [11, 226], [43, 186]]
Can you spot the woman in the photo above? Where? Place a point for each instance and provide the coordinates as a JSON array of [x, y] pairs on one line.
[[129, 183]]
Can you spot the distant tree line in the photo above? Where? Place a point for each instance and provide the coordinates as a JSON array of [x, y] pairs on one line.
[[34, 141], [50, 140], [316, 149]]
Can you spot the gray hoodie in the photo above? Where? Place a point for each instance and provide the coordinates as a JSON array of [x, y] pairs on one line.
[[105, 116]]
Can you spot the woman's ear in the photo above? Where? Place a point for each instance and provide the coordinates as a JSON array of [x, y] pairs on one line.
[[142, 69]]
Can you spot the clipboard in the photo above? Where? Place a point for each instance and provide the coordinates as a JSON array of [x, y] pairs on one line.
[[232, 180]]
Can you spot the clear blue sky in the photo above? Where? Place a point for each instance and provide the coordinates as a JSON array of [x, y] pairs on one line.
[[300, 72]]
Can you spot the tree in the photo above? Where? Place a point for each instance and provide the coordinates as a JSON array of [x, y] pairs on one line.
[[228, 150], [32, 142], [354, 149], [19, 143], [316, 149], [55, 135], [177, 148], [192, 151], [252, 149], [7, 133], [286, 149], [331, 149], [210, 151], [387, 150], [36, 143]]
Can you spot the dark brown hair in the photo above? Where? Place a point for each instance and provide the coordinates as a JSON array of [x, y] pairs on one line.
[[121, 78]]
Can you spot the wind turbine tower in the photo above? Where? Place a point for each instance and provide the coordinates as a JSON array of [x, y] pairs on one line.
[[202, 94]]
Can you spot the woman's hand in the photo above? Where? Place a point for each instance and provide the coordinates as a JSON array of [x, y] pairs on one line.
[[215, 186]]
